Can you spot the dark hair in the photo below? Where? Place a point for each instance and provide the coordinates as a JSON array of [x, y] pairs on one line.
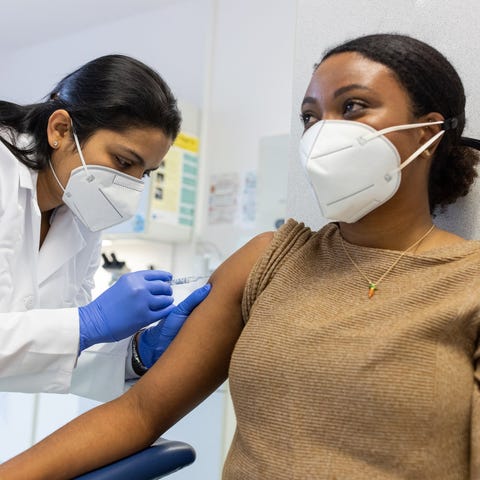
[[433, 86], [113, 92]]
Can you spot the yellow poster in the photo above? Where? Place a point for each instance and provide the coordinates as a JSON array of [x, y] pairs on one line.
[[174, 184]]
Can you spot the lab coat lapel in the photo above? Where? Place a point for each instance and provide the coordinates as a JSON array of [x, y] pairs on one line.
[[27, 201], [63, 242], [28, 181]]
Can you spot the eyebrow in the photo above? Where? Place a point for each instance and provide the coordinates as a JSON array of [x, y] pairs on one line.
[[309, 100], [347, 88], [138, 158], [340, 91]]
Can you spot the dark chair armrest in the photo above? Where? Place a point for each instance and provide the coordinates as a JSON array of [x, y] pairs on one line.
[[154, 462]]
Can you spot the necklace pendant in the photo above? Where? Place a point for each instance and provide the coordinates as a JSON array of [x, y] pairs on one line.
[[371, 289]]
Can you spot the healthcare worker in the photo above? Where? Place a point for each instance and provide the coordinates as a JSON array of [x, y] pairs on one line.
[[71, 166]]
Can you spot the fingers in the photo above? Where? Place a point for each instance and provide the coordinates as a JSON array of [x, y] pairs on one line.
[[156, 275], [195, 298], [158, 287], [157, 303], [171, 326]]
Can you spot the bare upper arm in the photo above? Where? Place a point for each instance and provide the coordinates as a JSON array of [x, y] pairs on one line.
[[192, 367], [197, 360]]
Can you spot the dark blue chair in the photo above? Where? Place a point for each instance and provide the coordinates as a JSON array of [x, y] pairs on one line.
[[157, 461]]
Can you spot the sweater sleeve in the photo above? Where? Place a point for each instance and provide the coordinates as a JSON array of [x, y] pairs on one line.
[[475, 420], [287, 240]]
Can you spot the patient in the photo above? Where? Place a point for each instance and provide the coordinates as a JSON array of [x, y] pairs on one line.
[[351, 351]]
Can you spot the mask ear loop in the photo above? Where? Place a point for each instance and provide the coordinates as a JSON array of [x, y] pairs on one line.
[[449, 123], [366, 138], [415, 154], [90, 177], [56, 178]]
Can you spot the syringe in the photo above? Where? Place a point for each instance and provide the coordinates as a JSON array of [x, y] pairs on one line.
[[188, 279]]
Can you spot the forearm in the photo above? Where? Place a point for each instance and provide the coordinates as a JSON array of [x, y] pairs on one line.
[[195, 364], [192, 367], [120, 422]]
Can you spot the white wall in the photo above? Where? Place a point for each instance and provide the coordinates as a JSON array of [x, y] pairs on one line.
[[451, 27], [251, 85], [171, 39]]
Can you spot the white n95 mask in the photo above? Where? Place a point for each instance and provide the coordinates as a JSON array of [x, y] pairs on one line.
[[100, 196], [354, 168]]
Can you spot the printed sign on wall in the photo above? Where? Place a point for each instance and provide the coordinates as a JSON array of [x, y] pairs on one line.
[[174, 185]]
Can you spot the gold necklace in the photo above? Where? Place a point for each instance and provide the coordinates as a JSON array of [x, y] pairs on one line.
[[372, 286]]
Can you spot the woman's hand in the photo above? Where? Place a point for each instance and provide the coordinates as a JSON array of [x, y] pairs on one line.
[[136, 300], [153, 341]]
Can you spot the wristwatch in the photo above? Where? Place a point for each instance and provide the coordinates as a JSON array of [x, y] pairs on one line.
[[138, 367]]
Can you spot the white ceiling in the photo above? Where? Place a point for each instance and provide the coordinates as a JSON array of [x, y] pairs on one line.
[[27, 22]]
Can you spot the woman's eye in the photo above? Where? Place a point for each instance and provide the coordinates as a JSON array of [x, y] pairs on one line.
[[307, 119], [353, 107], [122, 162]]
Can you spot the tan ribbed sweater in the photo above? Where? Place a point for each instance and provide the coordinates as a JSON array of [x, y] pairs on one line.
[[328, 384]]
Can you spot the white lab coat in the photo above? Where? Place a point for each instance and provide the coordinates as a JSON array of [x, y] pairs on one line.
[[39, 290]]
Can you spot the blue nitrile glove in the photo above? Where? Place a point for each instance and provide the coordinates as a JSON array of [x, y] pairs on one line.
[[153, 341], [134, 301]]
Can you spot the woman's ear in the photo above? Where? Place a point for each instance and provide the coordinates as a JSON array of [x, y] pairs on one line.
[[426, 133], [59, 124]]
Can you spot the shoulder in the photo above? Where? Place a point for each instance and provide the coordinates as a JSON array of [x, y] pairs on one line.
[[288, 239], [232, 274], [282, 250], [290, 235], [14, 176], [7, 159], [12, 167], [256, 247], [257, 254]]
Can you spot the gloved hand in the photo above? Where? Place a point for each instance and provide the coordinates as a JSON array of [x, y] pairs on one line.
[[135, 300], [153, 341]]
